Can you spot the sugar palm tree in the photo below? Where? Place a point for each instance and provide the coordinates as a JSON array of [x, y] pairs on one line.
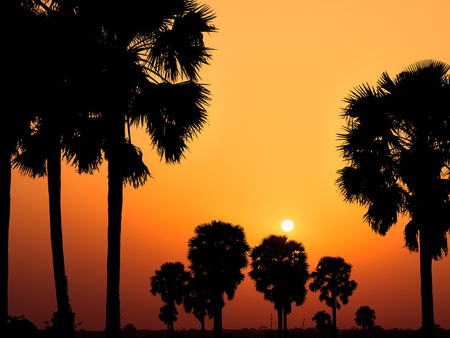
[[153, 52], [396, 144], [171, 282], [218, 253], [332, 279], [280, 271], [53, 113], [365, 317], [323, 321], [196, 300], [168, 315], [19, 24]]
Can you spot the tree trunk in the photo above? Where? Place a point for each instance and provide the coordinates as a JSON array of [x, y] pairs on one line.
[[218, 322], [5, 202], [285, 324], [203, 326], [115, 200], [280, 322], [171, 328], [426, 288], [64, 322], [170, 322], [115, 141], [333, 309]]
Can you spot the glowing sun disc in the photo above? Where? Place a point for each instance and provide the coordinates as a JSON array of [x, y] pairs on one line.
[[287, 225]]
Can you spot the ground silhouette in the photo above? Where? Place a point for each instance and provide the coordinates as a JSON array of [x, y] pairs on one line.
[[376, 332]]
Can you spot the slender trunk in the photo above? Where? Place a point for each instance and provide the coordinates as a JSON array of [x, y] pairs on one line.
[[203, 326], [64, 323], [218, 322], [426, 288], [170, 322], [115, 202], [5, 202], [280, 322], [333, 309], [285, 324]]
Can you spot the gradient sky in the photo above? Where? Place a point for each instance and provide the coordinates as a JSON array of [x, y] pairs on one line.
[[278, 77]]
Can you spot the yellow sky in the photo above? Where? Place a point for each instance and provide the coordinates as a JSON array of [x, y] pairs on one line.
[[278, 77]]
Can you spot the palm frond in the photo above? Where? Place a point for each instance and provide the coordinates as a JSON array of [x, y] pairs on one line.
[[173, 114], [32, 157], [134, 171], [180, 51]]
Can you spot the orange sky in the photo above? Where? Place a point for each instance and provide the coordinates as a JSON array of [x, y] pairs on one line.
[[278, 77]]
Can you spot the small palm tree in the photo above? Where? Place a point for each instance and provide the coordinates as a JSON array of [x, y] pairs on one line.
[[332, 279], [280, 272], [218, 253], [168, 315], [171, 282], [323, 322], [397, 147], [129, 331], [196, 300], [365, 317]]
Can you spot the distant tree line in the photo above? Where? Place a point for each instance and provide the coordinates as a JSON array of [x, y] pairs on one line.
[[219, 251]]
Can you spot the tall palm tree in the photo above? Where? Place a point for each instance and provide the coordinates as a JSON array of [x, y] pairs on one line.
[[19, 24], [218, 253], [54, 111], [280, 271], [397, 146], [332, 279], [171, 282], [365, 317], [153, 52]]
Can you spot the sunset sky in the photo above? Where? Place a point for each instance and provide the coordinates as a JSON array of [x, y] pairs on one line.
[[278, 77]]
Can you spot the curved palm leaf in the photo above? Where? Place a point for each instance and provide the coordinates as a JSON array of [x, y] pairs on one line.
[[171, 123], [179, 51], [32, 158]]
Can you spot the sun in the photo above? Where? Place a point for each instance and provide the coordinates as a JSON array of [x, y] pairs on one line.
[[287, 225]]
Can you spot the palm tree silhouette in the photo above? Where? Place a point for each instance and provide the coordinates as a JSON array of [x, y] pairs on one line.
[[171, 282], [54, 113], [396, 143], [332, 279], [323, 322], [19, 27], [365, 317], [196, 300], [280, 272], [168, 315], [147, 47], [218, 253]]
